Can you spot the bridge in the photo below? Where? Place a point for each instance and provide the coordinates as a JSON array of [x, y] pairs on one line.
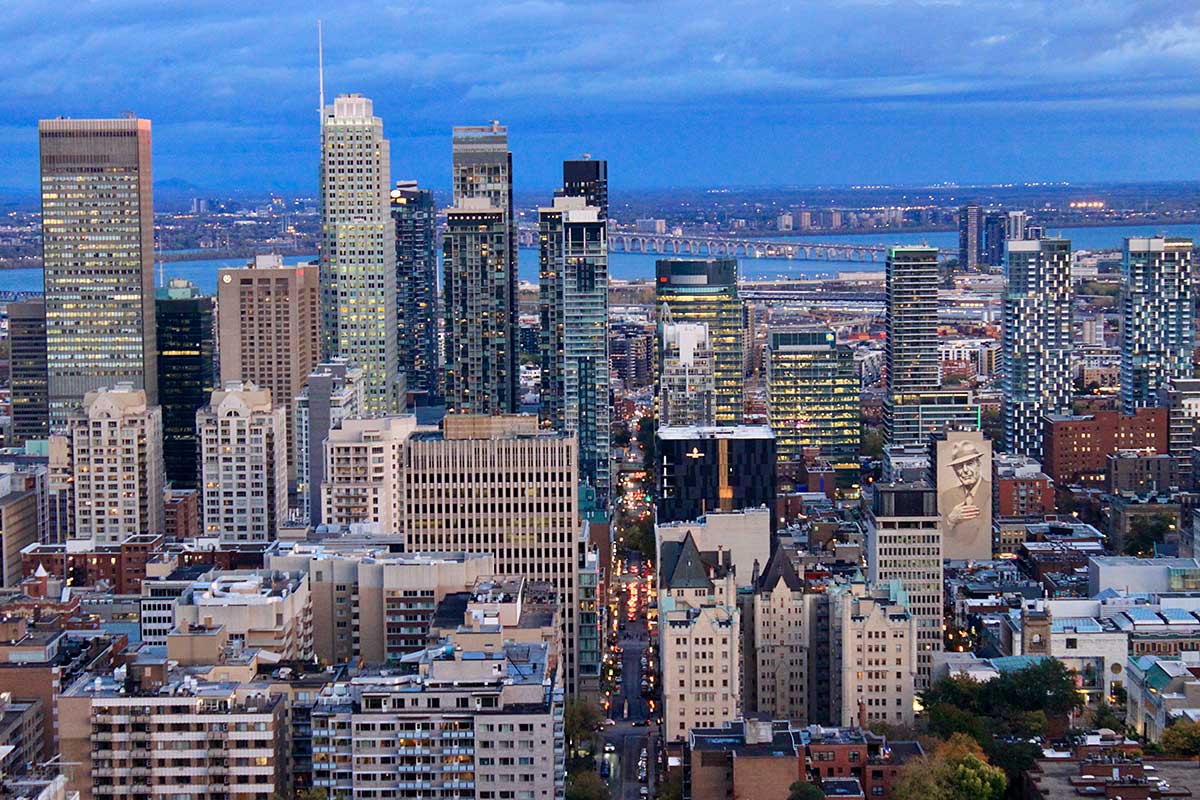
[[708, 246]]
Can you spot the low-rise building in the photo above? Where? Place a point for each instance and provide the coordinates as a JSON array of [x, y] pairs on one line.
[[1161, 690]]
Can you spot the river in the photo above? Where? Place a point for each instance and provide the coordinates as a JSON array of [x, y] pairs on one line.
[[632, 266]]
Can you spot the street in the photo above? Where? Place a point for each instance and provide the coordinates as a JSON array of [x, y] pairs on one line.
[[630, 739]]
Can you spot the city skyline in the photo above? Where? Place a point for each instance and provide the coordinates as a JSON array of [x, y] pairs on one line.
[[663, 92]]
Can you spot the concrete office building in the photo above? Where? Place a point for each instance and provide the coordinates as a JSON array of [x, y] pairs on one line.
[[415, 215], [19, 513], [27, 371], [1157, 310], [904, 543], [873, 654], [269, 329], [479, 260], [1037, 340], [699, 637], [358, 252], [243, 463], [687, 382], [365, 473], [116, 464], [333, 393], [98, 257], [812, 395], [465, 724], [262, 610], [186, 372], [706, 291], [573, 304], [743, 536]]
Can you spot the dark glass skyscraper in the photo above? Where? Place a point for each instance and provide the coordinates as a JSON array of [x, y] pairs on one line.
[[187, 375], [415, 214], [27, 365], [587, 179], [714, 469]]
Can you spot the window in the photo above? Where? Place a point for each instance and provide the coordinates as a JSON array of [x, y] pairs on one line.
[[1072, 644]]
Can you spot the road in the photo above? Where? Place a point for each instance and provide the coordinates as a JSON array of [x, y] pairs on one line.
[[625, 736]]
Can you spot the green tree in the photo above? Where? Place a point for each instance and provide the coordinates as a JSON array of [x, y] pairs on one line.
[[673, 788], [620, 435], [312, 794], [803, 790], [872, 443], [992, 423], [956, 770], [587, 786], [645, 439], [1182, 739], [1105, 716], [1147, 531], [580, 720], [946, 720]]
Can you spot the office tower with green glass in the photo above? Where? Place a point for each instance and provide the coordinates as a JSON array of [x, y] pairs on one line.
[[98, 254], [1037, 339], [812, 394], [706, 291], [573, 305], [358, 251], [1157, 318]]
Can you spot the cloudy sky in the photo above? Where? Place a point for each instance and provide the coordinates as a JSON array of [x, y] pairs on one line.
[[698, 93]]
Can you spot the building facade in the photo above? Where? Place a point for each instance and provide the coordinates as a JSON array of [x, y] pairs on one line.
[[364, 473], [687, 381], [358, 251], [333, 394], [706, 291], [1157, 318], [911, 354], [243, 463], [873, 655], [98, 257], [714, 469], [415, 215], [1037, 340], [187, 375], [812, 395], [27, 371]]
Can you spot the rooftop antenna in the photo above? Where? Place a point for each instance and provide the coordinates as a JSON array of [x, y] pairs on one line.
[[320, 71]]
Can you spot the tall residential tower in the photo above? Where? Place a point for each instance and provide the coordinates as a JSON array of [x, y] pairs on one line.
[[415, 215], [1157, 326]]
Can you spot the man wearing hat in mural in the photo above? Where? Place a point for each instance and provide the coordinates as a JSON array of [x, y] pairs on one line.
[[963, 500]]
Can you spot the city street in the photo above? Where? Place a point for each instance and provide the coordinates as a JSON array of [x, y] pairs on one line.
[[630, 738]]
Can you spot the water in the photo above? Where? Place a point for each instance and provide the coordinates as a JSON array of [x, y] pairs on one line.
[[632, 266]]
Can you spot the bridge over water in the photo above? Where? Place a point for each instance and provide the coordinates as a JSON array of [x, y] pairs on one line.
[[697, 245]]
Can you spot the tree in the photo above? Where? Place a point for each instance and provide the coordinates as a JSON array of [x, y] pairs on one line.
[[645, 439], [1147, 531], [673, 788], [991, 421], [1182, 739], [956, 770], [872, 443], [945, 720], [580, 720], [620, 435], [312, 794], [803, 790], [1105, 716], [587, 786]]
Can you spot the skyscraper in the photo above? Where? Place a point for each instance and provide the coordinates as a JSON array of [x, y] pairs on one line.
[[333, 394], [588, 179], [358, 251], [98, 254], [686, 382], [187, 374], [706, 291], [415, 216], [812, 394], [269, 317], [573, 302], [970, 237], [1157, 327], [27, 371], [479, 257], [1037, 339]]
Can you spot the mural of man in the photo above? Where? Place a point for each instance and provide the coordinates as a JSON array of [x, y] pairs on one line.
[[965, 495]]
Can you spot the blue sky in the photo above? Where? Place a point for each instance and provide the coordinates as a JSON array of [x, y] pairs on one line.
[[700, 93]]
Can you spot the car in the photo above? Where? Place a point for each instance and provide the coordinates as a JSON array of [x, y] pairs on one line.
[[604, 769], [609, 747], [643, 792]]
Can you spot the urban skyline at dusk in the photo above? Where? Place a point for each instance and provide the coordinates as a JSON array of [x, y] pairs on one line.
[[673, 94]]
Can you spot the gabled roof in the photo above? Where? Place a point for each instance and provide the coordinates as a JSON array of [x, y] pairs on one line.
[[683, 567], [780, 568]]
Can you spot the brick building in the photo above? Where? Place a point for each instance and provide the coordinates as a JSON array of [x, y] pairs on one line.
[[1077, 446]]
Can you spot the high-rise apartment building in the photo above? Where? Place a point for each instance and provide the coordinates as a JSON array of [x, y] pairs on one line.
[[243, 458], [186, 373], [1157, 317], [873, 654], [995, 225], [588, 179], [98, 255], [573, 304], [479, 260], [415, 215], [1037, 339], [812, 394], [365, 472], [27, 371], [970, 237], [333, 394], [358, 251], [116, 462], [706, 291], [1181, 398], [269, 321], [904, 543], [687, 383], [777, 656], [912, 362]]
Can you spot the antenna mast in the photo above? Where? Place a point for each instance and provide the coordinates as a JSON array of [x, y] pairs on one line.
[[320, 71]]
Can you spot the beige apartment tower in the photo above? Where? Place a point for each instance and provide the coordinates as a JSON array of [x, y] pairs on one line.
[[243, 463], [117, 462], [364, 472], [873, 649], [269, 318], [98, 254]]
